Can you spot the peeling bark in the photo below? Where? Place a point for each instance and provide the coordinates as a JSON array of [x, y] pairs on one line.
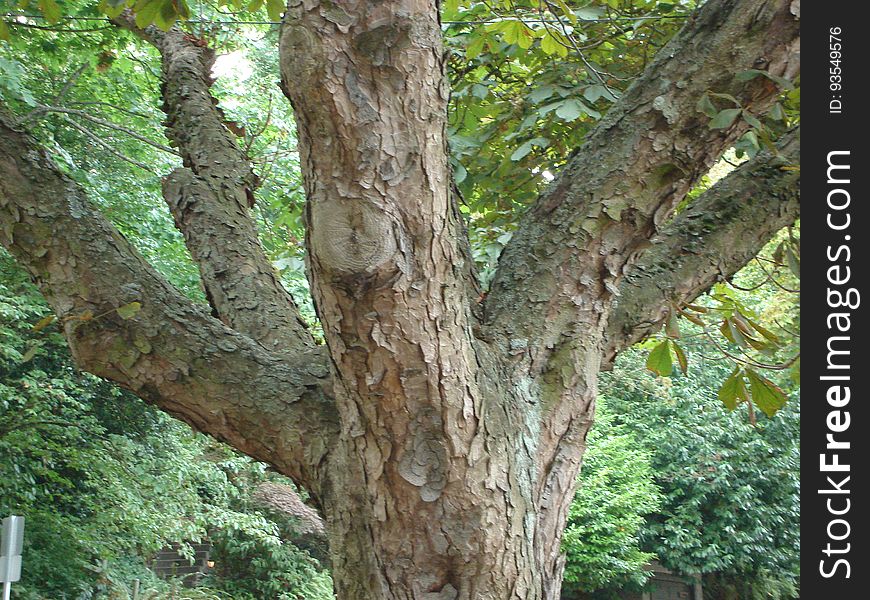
[[442, 446], [708, 242], [564, 264], [440, 504], [170, 353], [211, 196]]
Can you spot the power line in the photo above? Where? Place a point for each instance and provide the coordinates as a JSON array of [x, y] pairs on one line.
[[477, 22]]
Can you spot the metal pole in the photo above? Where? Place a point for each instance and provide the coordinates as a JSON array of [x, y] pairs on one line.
[[7, 590]]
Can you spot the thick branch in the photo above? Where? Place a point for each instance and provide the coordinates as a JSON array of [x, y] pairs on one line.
[[710, 241], [210, 199], [563, 265], [169, 352]]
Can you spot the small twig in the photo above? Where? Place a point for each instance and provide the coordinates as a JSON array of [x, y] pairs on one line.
[[119, 108], [110, 125], [95, 139], [69, 84], [58, 97], [55, 29]]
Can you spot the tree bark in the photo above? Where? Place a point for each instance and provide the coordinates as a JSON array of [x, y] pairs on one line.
[[210, 198], [441, 439], [709, 241], [170, 352]]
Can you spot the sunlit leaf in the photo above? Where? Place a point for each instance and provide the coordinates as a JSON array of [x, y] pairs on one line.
[[128, 311], [766, 395], [659, 360]]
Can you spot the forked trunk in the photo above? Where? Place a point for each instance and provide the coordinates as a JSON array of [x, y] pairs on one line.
[[445, 486], [443, 433]]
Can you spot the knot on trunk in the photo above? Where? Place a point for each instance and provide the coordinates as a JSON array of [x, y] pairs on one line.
[[351, 237]]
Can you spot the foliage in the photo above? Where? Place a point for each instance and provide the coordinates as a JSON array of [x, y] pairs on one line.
[[731, 489], [615, 492], [250, 567], [752, 323], [529, 79]]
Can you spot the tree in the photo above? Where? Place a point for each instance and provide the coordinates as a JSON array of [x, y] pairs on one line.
[[731, 489], [440, 431], [616, 490]]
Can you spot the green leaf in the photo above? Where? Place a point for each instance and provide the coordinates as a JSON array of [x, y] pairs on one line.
[[727, 97], [275, 8], [51, 10], [128, 311], [31, 352], [593, 93], [111, 10], [733, 391], [459, 173], [539, 94], [725, 118], [475, 47], [146, 12], [554, 43], [43, 323], [764, 332], [479, 91], [753, 73], [521, 152], [170, 12], [748, 75], [4, 30], [571, 16], [512, 31], [777, 113], [751, 119], [706, 106], [659, 360], [572, 108], [672, 327], [766, 395], [752, 139], [794, 263], [449, 8]]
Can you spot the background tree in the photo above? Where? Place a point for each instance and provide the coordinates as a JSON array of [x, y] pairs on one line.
[[439, 430]]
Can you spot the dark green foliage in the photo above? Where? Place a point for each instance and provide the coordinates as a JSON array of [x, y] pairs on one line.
[[731, 489], [616, 490], [250, 567]]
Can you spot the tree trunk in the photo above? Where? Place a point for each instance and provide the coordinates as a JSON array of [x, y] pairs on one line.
[[441, 436], [483, 535]]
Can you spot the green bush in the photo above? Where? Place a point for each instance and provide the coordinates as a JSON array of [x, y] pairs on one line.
[[104, 481], [615, 491]]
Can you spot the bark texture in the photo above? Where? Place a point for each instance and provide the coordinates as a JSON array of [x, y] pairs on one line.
[[171, 352], [440, 439], [210, 198], [710, 241]]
